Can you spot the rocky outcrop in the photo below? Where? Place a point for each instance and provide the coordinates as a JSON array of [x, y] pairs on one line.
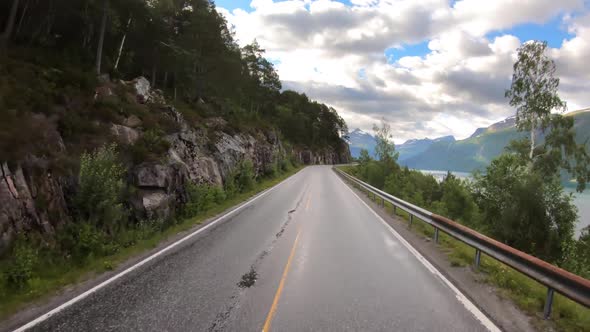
[[132, 122], [144, 93], [323, 157], [142, 89], [125, 135], [160, 189], [32, 198], [211, 157]]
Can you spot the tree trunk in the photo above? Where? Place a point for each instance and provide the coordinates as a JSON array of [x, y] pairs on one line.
[[165, 80], [154, 72], [123, 42], [175, 85], [9, 25], [532, 139], [103, 26], [50, 21], [87, 26], [22, 17]]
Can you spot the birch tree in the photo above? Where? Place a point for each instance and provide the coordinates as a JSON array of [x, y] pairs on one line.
[[534, 90]]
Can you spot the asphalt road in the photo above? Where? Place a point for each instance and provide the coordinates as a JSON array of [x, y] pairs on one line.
[[308, 256]]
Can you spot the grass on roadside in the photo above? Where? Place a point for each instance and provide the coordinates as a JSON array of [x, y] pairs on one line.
[[51, 277], [525, 292]]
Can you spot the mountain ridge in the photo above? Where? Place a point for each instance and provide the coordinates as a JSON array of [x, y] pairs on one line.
[[466, 155]]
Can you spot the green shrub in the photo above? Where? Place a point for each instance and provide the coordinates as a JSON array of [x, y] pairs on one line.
[[272, 170], [151, 146], [219, 195], [81, 240], [286, 165], [20, 268], [76, 77], [99, 197], [202, 198], [246, 176], [230, 187], [158, 118], [80, 132], [108, 265]]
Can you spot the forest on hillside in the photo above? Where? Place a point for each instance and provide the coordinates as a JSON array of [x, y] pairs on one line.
[[58, 49]]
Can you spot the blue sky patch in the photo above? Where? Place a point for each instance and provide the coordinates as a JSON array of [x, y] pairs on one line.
[[394, 54], [362, 74], [553, 32], [245, 4], [233, 4]]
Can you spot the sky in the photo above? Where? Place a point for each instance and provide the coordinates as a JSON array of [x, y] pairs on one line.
[[429, 68]]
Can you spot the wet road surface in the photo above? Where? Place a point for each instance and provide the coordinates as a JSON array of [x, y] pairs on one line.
[[307, 256]]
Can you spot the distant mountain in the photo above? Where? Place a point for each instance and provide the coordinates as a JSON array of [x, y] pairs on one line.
[[358, 139], [478, 132], [477, 151], [414, 147]]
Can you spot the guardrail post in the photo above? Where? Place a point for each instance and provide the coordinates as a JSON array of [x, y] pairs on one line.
[[411, 220], [477, 258], [382, 202], [436, 235], [548, 303], [394, 210]]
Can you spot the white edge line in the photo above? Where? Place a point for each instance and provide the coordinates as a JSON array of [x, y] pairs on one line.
[[105, 283], [480, 316]]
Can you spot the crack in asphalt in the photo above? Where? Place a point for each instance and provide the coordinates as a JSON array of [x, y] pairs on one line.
[[249, 278]]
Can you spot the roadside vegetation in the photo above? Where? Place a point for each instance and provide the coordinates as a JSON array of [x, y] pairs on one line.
[[66, 69], [102, 236], [519, 199]]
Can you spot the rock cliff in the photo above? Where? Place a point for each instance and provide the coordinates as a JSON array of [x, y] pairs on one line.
[[33, 198]]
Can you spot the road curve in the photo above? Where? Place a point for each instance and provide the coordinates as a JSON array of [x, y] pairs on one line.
[[308, 256]]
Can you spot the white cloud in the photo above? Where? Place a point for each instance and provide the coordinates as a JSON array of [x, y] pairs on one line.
[[322, 46], [479, 17]]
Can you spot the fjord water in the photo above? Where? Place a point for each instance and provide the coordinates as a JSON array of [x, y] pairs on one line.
[[581, 200]]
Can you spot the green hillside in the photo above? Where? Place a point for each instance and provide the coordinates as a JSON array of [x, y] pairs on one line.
[[477, 152]]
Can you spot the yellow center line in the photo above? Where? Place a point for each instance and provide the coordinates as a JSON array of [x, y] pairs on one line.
[[275, 302], [307, 204]]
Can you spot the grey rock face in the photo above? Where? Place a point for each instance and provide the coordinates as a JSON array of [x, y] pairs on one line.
[[142, 89], [124, 135], [31, 198], [29, 202], [133, 121], [161, 189]]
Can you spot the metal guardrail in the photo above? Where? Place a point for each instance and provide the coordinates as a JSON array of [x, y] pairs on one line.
[[556, 279]]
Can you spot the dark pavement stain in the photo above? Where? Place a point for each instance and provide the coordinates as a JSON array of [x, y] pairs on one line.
[[248, 279]]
